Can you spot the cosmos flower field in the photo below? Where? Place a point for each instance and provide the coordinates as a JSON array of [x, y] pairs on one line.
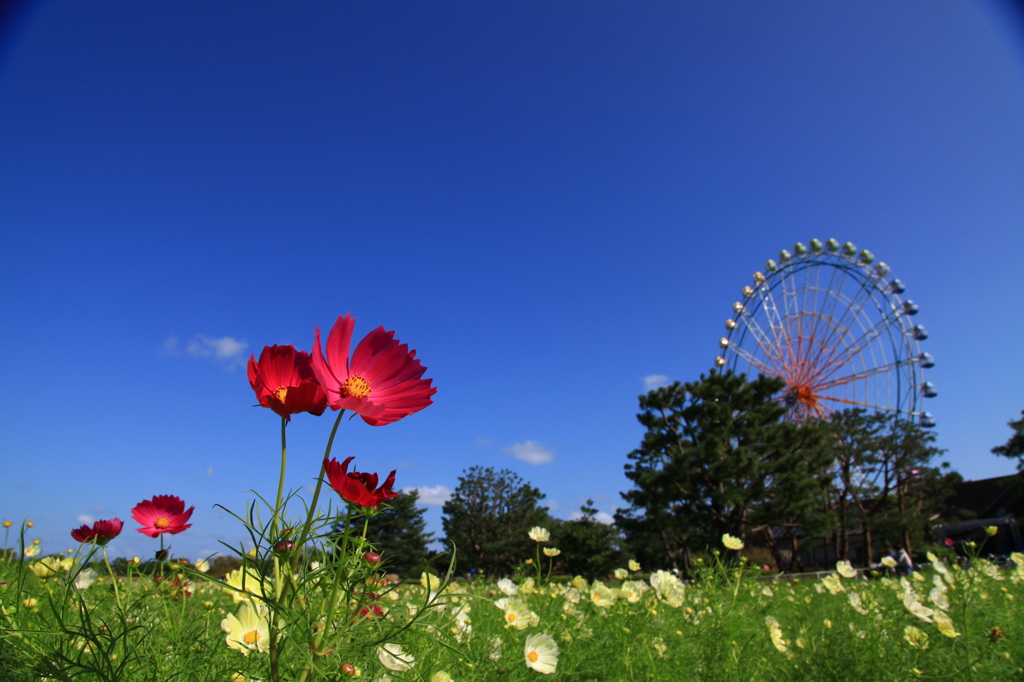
[[950, 621]]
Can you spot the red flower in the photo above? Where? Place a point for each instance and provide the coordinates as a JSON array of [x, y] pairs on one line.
[[948, 542], [162, 514], [358, 488], [382, 381], [284, 381], [101, 532]]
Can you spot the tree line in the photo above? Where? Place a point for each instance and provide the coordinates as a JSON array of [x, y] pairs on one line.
[[718, 456]]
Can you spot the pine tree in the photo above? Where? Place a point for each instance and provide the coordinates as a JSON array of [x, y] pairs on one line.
[[488, 519]]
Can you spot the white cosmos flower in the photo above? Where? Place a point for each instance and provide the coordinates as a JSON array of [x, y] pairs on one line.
[[538, 534], [541, 653], [517, 615], [507, 586], [85, 578], [393, 657]]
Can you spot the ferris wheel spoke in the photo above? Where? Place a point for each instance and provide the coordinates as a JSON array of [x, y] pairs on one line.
[[859, 376], [859, 403], [771, 312], [864, 341], [757, 363], [768, 346]]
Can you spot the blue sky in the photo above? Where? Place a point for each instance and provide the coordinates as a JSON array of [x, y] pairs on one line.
[[550, 202]]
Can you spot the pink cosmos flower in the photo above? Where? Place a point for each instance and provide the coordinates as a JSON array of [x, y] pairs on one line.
[[283, 380], [381, 382], [358, 488], [101, 532], [162, 514]]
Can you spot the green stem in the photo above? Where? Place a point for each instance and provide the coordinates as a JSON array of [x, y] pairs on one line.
[[539, 579], [276, 530], [316, 493], [113, 578]]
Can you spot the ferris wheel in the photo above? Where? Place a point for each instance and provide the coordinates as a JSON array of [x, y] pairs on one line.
[[827, 320]]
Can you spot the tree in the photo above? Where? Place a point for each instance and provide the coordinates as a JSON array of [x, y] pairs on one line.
[[398, 533], [589, 548], [1015, 446], [717, 458], [885, 483], [488, 518]]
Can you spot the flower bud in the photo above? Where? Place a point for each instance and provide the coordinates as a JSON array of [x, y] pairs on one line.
[[371, 558], [348, 670], [284, 546]]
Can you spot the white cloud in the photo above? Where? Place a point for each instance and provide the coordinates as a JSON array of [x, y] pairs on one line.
[[432, 496], [601, 517], [483, 441], [170, 346], [653, 381], [530, 452], [224, 348], [209, 472], [552, 505], [85, 518]]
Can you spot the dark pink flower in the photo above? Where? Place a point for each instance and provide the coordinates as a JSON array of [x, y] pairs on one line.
[[284, 381], [100, 532], [162, 514], [382, 380], [358, 488]]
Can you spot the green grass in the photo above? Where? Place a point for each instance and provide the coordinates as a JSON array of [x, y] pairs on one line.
[[716, 629]]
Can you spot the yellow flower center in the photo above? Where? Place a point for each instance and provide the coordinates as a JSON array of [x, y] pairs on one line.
[[281, 393], [532, 656], [161, 522], [597, 596], [252, 636], [355, 387], [511, 617]]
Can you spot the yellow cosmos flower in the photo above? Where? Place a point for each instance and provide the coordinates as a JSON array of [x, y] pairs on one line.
[[832, 584], [621, 573], [202, 565], [633, 566], [945, 625], [552, 551], [888, 562], [244, 579], [991, 530], [845, 569], [1017, 558], [429, 581], [601, 595], [915, 637], [32, 550], [541, 653], [731, 542], [441, 676], [249, 630], [7, 524]]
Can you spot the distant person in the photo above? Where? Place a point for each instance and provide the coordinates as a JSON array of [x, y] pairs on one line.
[[904, 564]]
